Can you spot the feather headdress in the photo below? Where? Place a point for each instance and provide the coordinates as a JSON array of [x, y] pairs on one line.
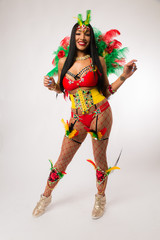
[[107, 46]]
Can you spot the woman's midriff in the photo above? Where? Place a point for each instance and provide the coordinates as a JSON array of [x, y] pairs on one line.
[[86, 101]]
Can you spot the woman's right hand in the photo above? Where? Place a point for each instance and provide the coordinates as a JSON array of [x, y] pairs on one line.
[[49, 82]]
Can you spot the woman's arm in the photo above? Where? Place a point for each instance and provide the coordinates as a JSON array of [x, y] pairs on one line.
[[50, 83], [128, 70]]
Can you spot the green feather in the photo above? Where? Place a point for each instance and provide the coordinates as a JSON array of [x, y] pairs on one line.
[[51, 165], [80, 21], [95, 135], [67, 133], [54, 71], [101, 46], [60, 174], [110, 58], [108, 172], [88, 17]]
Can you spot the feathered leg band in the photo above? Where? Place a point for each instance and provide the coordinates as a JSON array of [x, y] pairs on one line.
[[69, 131], [100, 174], [54, 175]]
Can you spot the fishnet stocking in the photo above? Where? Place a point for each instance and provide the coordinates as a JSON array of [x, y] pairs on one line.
[[68, 150], [99, 147]]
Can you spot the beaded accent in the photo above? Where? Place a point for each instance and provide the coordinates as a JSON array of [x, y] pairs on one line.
[[76, 117], [54, 175], [72, 81], [78, 75], [82, 58], [97, 111], [110, 89], [101, 175], [83, 28], [83, 100]]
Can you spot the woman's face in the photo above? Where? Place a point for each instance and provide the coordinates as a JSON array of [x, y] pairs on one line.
[[82, 39]]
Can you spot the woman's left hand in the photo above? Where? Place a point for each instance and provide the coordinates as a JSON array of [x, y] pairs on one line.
[[129, 68]]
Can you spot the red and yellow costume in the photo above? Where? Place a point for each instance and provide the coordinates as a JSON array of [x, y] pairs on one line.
[[90, 110], [90, 113]]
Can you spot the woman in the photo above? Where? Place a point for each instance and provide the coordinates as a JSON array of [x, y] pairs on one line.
[[83, 75]]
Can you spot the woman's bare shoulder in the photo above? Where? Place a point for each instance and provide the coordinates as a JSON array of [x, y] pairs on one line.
[[61, 62]]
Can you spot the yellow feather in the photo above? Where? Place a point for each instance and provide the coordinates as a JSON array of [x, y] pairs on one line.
[[80, 22], [91, 134], [104, 53], [75, 18], [113, 168], [65, 125], [71, 135], [99, 135], [62, 120], [90, 161]]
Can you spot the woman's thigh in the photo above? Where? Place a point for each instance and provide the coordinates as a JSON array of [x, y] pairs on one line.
[[70, 146], [100, 146], [104, 121]]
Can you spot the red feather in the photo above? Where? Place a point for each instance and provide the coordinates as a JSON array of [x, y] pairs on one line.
[[121, 61], [103, 131], [110, 35], [114, 65], [76, 133], [65, 42], [53, 62], [90, 161], [87, 129], [109, 49], [116, 44]]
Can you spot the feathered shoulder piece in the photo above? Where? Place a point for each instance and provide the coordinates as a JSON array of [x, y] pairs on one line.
[[107, 46]]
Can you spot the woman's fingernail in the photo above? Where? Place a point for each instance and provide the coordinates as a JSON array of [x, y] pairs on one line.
[[48, 77], [50, 81]]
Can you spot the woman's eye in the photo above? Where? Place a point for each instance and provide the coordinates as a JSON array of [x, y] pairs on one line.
[[77, 33]]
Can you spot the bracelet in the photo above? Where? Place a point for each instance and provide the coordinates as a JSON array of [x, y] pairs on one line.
[[110, 89]]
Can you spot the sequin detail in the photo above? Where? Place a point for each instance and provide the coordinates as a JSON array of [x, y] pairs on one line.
[[83, 100]]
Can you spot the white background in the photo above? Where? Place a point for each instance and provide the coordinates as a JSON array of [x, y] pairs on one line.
[[31, 131]]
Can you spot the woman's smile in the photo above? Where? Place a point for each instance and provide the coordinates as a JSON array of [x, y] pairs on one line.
[[82, 39], [82, 43]]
